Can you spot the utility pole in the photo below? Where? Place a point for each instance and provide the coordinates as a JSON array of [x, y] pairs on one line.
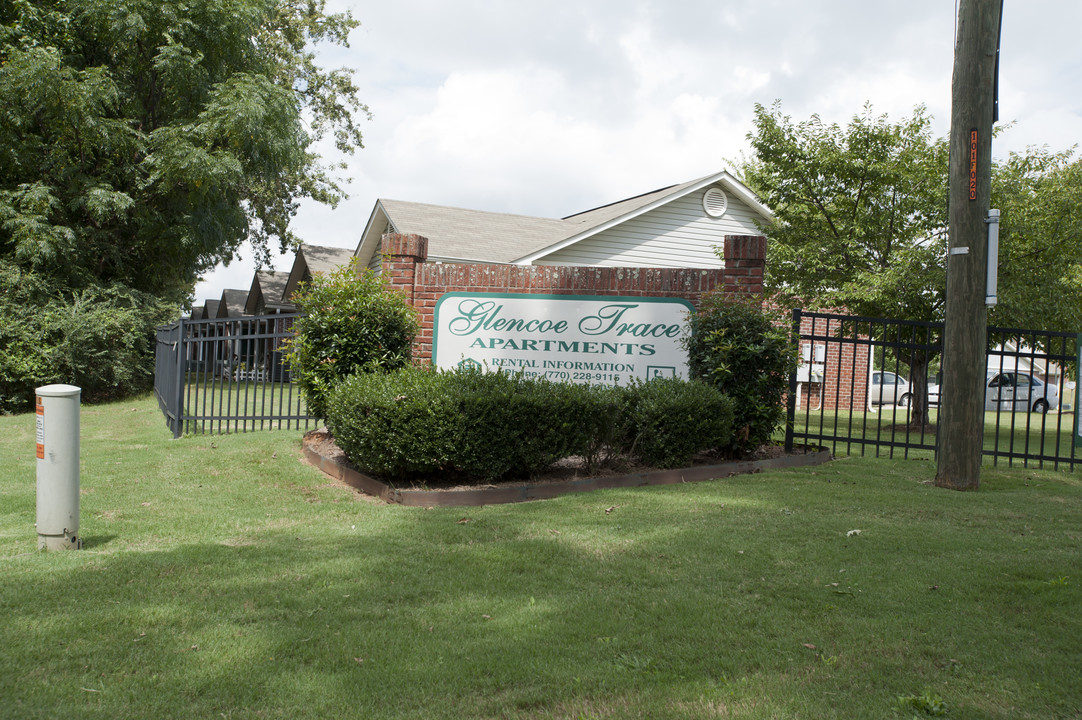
[[961, 416]]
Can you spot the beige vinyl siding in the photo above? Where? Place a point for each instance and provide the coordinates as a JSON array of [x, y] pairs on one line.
[[679, 234]]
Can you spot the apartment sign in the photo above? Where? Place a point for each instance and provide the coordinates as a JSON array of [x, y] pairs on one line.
[[569, 338]]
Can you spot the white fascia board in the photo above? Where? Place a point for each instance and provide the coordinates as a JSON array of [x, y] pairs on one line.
[[745, 194], [296, 274], [730, 183], [366, 246]]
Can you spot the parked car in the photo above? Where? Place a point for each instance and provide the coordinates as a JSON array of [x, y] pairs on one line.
[[1009, 391], [887, 388], [1006, 389], [933, 390]]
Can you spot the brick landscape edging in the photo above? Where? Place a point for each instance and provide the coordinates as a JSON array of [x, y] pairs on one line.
[[474, 497]]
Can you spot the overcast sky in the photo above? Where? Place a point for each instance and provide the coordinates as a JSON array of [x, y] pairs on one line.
[[551, 108]]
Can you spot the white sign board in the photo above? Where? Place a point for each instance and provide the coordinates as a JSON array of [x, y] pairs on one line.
[[569, 338]]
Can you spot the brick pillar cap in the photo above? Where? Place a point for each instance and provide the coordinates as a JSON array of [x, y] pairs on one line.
[[404, 245], [745, 247]]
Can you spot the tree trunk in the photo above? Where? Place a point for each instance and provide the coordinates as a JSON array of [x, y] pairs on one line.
[[918, 385]]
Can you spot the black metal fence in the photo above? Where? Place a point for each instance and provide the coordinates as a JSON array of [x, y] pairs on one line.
[[863, 385], [227, 375], [870, 385]]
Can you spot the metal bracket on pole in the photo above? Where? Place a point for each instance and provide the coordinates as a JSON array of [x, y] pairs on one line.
[[992, 283]]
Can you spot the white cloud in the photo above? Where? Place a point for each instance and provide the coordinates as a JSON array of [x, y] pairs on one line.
[[551, 108]]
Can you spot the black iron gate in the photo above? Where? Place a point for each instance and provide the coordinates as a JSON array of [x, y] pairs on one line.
[[870, 385], [227, 375]]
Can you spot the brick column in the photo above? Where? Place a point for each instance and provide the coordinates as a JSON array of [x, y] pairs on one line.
[[399, 257], [745, 260]]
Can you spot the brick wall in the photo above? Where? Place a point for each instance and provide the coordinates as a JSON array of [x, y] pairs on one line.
[[404, 265], [843, 368]]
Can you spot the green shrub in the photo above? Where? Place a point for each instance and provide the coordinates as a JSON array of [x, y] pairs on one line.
[[742, 350], [601, 421], [469, 425], [351, 323], [100, 339], [400, 424], [517, 426], [417, 422], [669, 420]]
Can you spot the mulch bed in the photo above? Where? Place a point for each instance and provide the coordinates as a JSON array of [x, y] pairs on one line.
[[566, 477]]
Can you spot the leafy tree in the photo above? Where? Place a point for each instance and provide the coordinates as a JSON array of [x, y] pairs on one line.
[[144, 141], [1039, 194], [861, 217], [862, 221]]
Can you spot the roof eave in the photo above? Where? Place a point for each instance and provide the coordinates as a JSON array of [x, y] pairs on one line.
[[366, 246]]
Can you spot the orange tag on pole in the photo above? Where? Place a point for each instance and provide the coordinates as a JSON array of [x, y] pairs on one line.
[[40, 410], [973, 164]]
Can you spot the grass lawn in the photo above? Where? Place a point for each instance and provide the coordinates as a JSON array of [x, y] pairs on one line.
[[224, 578], [214, 405], [1048, 435]]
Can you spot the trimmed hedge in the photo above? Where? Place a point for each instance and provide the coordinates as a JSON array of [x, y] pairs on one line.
[[477, 426], [670, 420]]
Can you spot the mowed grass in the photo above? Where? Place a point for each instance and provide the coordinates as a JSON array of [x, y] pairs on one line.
[[1042, 437], [224, 578], [214, 405]]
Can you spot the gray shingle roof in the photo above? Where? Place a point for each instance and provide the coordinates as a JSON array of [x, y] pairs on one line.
[[325, 259], [272, 284], [474, 235], [460, 234], [232, 303]]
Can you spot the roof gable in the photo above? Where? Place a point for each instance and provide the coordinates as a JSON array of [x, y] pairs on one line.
[[267, 289], [593, 222], [311, 259], [232, 303], [457, 234]]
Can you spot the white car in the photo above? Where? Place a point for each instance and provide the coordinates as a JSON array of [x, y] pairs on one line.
[[1004, 390], [887, 388], [1019, 391]]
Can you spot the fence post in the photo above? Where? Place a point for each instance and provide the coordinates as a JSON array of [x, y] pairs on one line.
[[182, 372], [1077, 399], [790, 413]]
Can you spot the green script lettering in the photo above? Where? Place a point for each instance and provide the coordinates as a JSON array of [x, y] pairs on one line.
[[604, 320], [607, 320], [474, 315]]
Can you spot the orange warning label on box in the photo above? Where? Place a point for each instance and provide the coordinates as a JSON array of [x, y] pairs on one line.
[[40, 410]]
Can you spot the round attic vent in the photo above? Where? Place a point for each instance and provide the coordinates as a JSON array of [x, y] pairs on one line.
[[715, 202]]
